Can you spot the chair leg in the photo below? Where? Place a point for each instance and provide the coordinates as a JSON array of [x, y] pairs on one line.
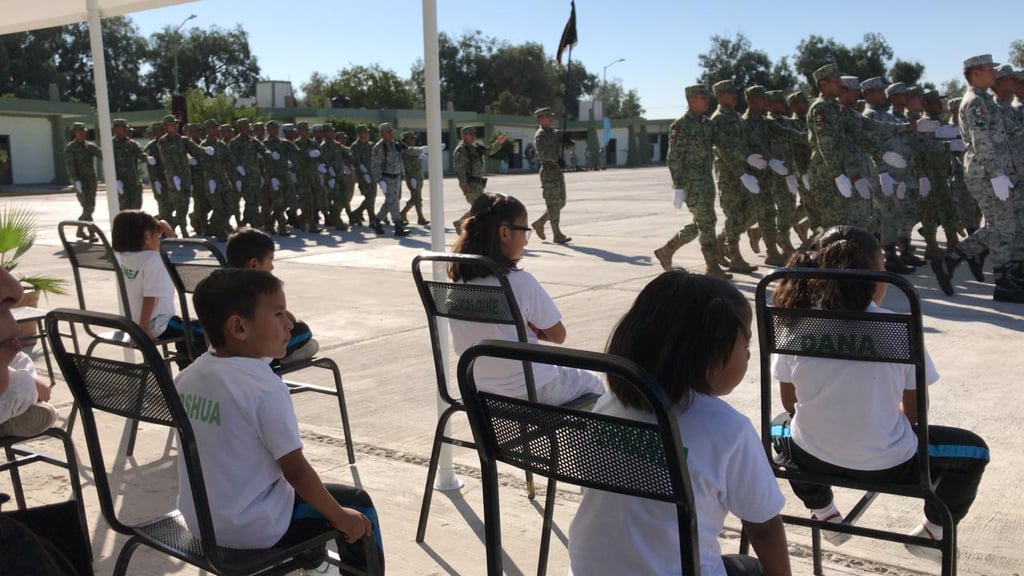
[[428, 490], [125, 557], [131, 437], [69, 425], [744, 543], [19, 492], [492, 520], [71, 458], [816, 551], [545, 535], [344, 412]]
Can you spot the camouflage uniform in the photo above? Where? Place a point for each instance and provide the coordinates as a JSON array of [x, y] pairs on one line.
[[174, 152], [307, 186], [347, 178], [411, 156], [730, 149], [802, 163], [362, 157], [937, 208], [218, 169], [281, 153], [127, 155], [249, 154], [469, 161], [758, 134], [968, 213], [787, 135], [80, 157], [548, 142], [333, 159], [200, 192], [386, 168], [155, 170]]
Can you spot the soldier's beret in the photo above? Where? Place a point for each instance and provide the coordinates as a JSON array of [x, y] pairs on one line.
[[798, 95], [875, 83], [697, 90], [362, 128], [931, 95], [210, 123], [826, 71], [755, 91], [775, 96], [327, 127], [896, 88], [980, 60], [545, 111], [302, 125], [851, 83], [954, 103], [1004, 70], [120, 122], [242, 123], [385, 127], [723, 86], [170, 119], [273, 124], [467, 130], [408, 134]]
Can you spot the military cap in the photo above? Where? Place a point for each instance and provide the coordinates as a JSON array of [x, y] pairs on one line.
[[385, 127], [896, 88], [224, 127], [775, 96], [408, 134], [754, 91], [210, 123], [545, 111], [258, 126], [169, 119], [875, 83], [342, 134], [273, 124], [1004, 70], [467, 130], [288, 127], [242, 122], [327, 127], [931, 95], [850, 83], [154, 127], [798, 95], [362, 128], [697, 90], [980, 60], [302, 125], [954, 103], [723, 86], [826, 71], [318, 127], [120, 122], [915, 91]]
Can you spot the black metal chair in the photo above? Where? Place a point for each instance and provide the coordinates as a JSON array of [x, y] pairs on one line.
[[577, 446], [894, 338], [473, 303], [145, 392], [189, 261]]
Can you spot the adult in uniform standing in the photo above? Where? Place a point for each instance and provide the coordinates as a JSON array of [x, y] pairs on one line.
[[735, 184], [154, 167], [411, 156], [469, 163], [217, 169], [249, 154], [127, 155], [80, 156], [549, 142], [279, 180], [174, 154]]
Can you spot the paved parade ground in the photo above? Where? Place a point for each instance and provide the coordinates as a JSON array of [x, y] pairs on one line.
[[356, 291]]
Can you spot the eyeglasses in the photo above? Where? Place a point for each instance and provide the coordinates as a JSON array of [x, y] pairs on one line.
[[525, 229]]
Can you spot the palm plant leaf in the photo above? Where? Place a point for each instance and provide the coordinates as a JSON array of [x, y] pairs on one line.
[[17, 234]]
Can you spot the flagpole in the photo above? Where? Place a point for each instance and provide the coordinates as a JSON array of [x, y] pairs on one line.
[[565, 105]]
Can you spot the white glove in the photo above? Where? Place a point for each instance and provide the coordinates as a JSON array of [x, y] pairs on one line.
[[750, 183], [78, 185], [346, 170], [443, 146], [894, 159], [321, 168], [290, 165], [240, 170], [212, 185], [151, 160], [792, 185], [238, 185], [928, 125], [1001, 184], [330, 183], [757, 161], [778, 166], [275, 184], [275, 155], [807, 181], [888, 184], [844, 185], [678, 198], [413, 182], [192, 161], [330, 169], [863, 188], [423, 156], [177, 182], [120, 188], [362, 167], [158, 187], [314, 153], [947, 132], [901, 190], [957, 145], [924, 185], [209, 150], [383, 186], [367, 178], [295, 178]]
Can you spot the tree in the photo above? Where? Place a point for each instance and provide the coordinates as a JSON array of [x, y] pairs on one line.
[[1017, 54], [907, 72], [618, 103], [865, 60], [364, 86], [736, 59], [220, 108], [214, 61], [26, 63], [953, 88]]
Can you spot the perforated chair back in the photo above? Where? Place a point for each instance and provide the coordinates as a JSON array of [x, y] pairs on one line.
[[189, 261], [87, 255], [630, 457]]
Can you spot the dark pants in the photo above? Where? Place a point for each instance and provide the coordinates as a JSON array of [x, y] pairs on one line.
[[956, 457], [307, 522], [175, 329], [741, 565]]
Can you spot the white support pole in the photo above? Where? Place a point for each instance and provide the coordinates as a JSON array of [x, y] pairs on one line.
[[446, 477], [99, 74]]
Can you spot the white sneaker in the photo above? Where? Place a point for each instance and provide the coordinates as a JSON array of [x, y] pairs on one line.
[[933, 554], [834, 538]]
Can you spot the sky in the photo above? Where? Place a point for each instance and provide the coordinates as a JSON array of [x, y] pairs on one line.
[[659, 40]]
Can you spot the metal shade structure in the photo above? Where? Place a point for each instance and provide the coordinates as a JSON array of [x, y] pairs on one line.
[[22, 16]]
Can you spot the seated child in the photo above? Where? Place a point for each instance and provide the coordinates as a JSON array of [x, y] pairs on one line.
[[24, 405], [857, 419], [497, 228], [252, 248], [692, 334], [262, 491]]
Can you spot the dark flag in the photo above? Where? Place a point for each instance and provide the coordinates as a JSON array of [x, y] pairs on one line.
[[568, 35]]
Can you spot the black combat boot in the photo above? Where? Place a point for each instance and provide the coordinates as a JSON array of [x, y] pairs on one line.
[[893, 262], [1007, 290]]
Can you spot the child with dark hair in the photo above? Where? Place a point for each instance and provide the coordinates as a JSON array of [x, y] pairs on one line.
[[262, 491], [692, 334], [857, 419], [497, 228], [254, 249]]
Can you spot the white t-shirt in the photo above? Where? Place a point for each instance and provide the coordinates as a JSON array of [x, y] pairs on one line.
[[146, 276], [21, 393], [244, 422], [537, 308], [617, 534], [847, 413]]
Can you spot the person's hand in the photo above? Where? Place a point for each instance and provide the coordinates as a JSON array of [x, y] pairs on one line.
[[501, 138], [165, 229], [314, 153], [924, 185], [863, 188], [844, 185], [536, 331], [444, 146], [383, 186], [413, 182], [362, 167], [151, 160], [321, 168], [275, 184], [240, 170], [78, 186], [678, 198], [42, 391], [901, 190], [778, 166], [351, 524], [807, 181], [947, 132], [956, 145], [887, 183], [212, 185], [750, 183], [331, 171], [757, 161], [192, 161], [177, 182], [158, 187], [238, 185], [209, 150], [928, 125], [367, 178], [275, 155], [894, 159], [1001, 185], [120, 188], [791, 184], [330, 183]]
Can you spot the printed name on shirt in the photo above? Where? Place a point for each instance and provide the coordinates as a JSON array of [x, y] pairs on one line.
[[200, 408], [129, 273], [853, 344]]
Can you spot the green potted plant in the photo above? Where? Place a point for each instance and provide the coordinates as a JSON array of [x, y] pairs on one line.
[[17, 234]]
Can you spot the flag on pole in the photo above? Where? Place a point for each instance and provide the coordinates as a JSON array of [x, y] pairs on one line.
[[569, 34]]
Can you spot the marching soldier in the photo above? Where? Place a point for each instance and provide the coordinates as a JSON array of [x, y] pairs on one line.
[[333, 157], [469, 161], [200, 194], [906, 179], [347, 178], [308, 162], [388, 170], [759, 142], [735, 185], [217, 169], [362, 157], [249, 153], [786, 187], [155, 168], [549, 142], [967, 209], [411, 156], [127, 155], [281, 189], [80, 156], [174, 154], [798, 105], [936, 206]]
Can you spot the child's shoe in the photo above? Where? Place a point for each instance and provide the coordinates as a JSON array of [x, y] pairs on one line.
[[933, 554], [32, 422], [834, 538]]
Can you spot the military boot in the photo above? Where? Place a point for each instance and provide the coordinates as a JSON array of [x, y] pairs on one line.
[[944, 268], [754, 235], [893, 262], [736, 261], [952, 240], [538, 226], [1006, 289], [802, 228], [774, 257], [664, 254], [785, 244], [376, 225], [721, 251], [931, 246], [977, 265], [711, 267], [558, 237], [907, 255]]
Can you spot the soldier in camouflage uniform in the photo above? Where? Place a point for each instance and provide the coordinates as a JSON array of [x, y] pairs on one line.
[[249, 155], [759, 136], [1002, 88], [936, 205], [735, 185], [469, 161], [154, 168], [798, 105], [549, 141], [199, 218], [308, 161], [786, 187], [281, 153], [968, 213], [347, 178], [689, 163], [857, 164], [80, 155], [217, 171], [991, 173], [411, 156], [289, 133], [387, 169], [174, 154], [362, 157], [127, 155], [333, 158], [906, 179]]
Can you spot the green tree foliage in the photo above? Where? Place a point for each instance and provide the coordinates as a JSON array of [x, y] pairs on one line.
[[214, 61], [618, 103], [736, 59], [220, 107], [907, 72], [1017, 54], [953, 88], [865, 60], [365, 87]]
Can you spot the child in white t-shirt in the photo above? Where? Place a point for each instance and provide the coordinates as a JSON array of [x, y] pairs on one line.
[[497, 228], [261, 489], [692, 334], [857, 419]]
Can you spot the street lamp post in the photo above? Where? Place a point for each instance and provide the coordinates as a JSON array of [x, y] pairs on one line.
[[605, 76], [177, 47]]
